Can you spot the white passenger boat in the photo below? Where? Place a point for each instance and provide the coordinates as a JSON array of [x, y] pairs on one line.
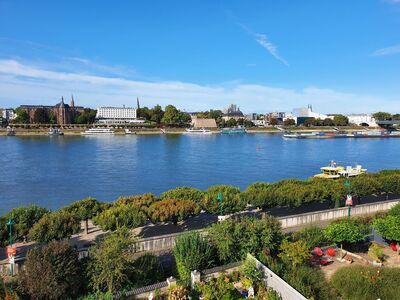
[[197, 131], [98, 131]]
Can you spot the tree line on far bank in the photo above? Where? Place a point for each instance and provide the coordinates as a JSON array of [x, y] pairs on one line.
[[176, 205]]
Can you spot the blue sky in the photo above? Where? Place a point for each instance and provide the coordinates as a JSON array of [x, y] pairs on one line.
[[340, 56]]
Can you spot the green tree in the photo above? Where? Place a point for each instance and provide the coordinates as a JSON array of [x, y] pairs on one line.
[[41, 116], [110, 265], [234, 239], [184, 193], [340, 120], [88, 116], [51, 272], [25, 218], [86, 208], [171, 115], [173, 210], [128, 216], [309, 122], [396, 117], [365, 185], [388, 227], [54, 226], [232, 201], [231, 123], [192, 252], [382, 116], [156, 114], [260, 194], [22, 116], [273, 121], [328, 122], [344, 231], [289, 122], [52, 118], [140, 202], [294, 253]]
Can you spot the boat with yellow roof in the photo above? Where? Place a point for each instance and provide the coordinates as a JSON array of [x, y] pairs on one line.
[[333, 171]]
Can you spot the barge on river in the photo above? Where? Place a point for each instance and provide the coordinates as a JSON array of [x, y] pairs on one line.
[[333, 135]]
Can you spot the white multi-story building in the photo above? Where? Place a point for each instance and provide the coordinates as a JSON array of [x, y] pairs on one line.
[[362, 119], [117, 115], [8, 114]]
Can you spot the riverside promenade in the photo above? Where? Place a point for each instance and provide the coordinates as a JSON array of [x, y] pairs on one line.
[[161, 237]]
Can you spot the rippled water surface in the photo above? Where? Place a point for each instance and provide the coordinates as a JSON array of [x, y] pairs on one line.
[[53, 171]]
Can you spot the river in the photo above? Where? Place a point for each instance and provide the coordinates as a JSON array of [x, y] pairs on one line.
[[54, 171]]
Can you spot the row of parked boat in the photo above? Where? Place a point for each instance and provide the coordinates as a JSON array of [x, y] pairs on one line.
[[231, 130], [333, 135]]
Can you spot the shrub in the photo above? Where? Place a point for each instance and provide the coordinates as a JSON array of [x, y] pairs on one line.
[[294, 253], [184, 193], [310, 282], [55, 226], [111, 262], [231, 200], [375, 251], [234, 239], [251, 272], [344, 231], [120, 216], [313, 236], [141, 202], [388, 227], [260, 194], [178, 293], [367, 282], [51, 272], [147, 270], [192, 252], [86, 208], [220, 288], [173, 210], [395, 210]]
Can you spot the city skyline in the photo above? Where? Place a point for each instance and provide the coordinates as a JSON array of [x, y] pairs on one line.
[[340, 57]]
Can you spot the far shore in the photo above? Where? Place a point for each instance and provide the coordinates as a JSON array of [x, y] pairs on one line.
[[68, 131]]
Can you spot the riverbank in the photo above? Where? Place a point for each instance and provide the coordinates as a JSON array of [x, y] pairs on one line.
[[76, 131]]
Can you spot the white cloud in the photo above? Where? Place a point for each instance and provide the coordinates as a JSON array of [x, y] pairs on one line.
[[272, 49], [388, 50], [22, 83]]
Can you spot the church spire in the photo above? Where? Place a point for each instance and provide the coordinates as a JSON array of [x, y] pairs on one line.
[[72, 103], [137, 108], [62, 101]]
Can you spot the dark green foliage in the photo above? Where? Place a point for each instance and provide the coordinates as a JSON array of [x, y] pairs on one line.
[[192, 252], [147, 270], [310, 282], [260, 194], [313, 236], [54, 226], [86, 208], [365, 185], [86, 117], [234, 239], [173, 116], [140, 202], [382, 116], [220, 288], [111, 262], [41, 116], [367, 283], [51, 272], [184, 193], [232, 201], [128, 216]]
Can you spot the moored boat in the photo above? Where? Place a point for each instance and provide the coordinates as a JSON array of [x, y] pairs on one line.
[[234, 130], [197, 131], [98, 131], [333, 171]]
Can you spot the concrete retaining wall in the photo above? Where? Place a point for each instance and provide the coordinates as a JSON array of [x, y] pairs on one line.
[[273, 281], [166, 242], [337, 213]]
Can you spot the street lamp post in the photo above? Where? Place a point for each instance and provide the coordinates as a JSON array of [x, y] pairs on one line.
[[219, 198], [349, 198], [10, 223]]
